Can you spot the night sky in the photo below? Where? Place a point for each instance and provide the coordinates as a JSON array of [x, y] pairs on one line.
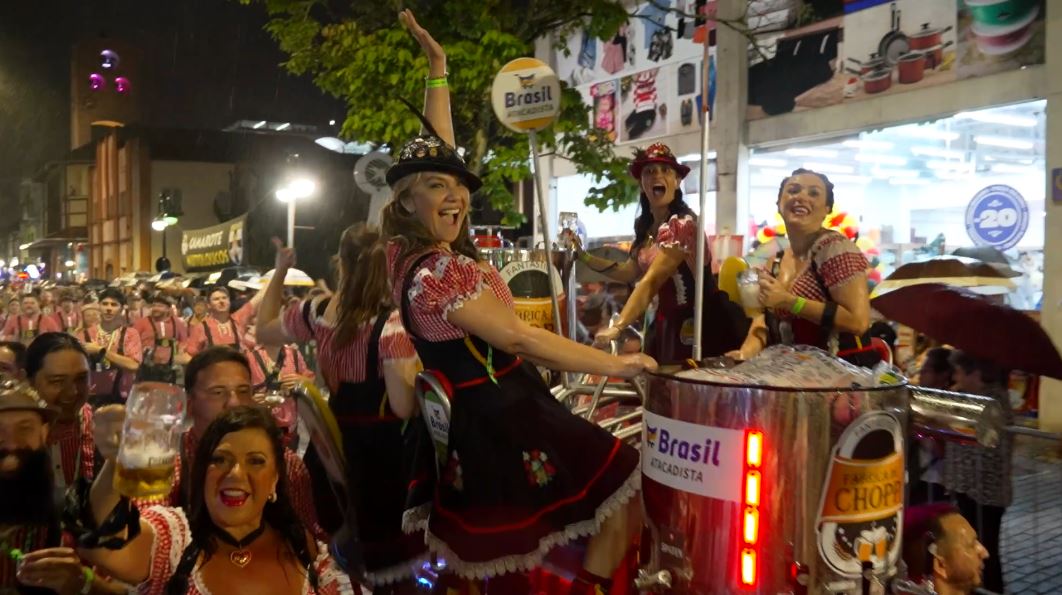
[[207, 63]]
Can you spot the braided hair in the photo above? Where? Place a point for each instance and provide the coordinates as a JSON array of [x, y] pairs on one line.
[[279, 514]]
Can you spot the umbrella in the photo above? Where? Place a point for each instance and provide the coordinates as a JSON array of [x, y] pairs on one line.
[[972, 323], [585, 274], [984, 254], [949, 270], [294, 278]]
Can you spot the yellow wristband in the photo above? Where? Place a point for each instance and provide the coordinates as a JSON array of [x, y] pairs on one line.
[[436, 83]]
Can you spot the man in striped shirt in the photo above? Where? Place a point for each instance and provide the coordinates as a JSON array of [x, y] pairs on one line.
[[30, 323], [57, 367]]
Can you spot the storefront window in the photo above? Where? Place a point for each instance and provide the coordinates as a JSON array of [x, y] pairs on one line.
[[922, 190]]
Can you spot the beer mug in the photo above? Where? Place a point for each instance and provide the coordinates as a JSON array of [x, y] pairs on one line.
[[155, 418], [749, 289], [569, 228]]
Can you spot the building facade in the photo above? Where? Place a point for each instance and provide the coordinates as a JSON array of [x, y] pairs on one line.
[[913, 153]]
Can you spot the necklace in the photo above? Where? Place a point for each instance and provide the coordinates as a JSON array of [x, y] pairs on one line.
[[241, 556]]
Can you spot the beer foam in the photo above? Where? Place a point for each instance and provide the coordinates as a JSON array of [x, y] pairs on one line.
[[145, 455]]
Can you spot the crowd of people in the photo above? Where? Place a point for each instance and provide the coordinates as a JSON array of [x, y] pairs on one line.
[[253, 506]]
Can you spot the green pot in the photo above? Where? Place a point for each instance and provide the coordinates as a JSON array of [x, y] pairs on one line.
[[999, 13]]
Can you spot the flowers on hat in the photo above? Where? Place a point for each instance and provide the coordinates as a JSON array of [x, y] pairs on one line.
[[425, 146], [656, 153]]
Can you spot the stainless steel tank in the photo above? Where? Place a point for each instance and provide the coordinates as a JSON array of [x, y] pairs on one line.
[[751, 489]]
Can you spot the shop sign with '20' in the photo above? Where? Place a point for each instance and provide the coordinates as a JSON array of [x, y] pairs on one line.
[[997, 216]]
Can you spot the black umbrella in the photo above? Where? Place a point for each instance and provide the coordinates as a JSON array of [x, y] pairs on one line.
[[585, 274], [984, 254], [972, 323]]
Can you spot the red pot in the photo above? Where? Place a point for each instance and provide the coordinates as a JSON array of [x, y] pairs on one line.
[[870, 65], [926, 38], [935, 56], [912, 67], [877, 81]]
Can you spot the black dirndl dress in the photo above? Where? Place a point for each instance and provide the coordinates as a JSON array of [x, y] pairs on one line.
[[384, 474], [522, 474]]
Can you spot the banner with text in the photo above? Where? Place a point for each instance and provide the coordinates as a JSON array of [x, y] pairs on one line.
[[215, 247]]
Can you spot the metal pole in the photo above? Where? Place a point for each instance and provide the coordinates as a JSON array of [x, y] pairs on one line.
[[544, 222], [291, 222], [164, 241], [702, 218]]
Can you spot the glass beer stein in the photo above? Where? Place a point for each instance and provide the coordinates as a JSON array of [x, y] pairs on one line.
[[155, 418], [749, 289]]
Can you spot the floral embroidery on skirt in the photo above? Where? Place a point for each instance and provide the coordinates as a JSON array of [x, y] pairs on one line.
[[539, 470]]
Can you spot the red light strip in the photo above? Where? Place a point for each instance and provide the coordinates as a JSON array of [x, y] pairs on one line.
[[752, 488]]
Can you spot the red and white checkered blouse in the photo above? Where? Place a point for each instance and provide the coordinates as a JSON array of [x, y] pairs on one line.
[[173, 534], [443, 283], [837, 260], [347, 363], [678, 232]]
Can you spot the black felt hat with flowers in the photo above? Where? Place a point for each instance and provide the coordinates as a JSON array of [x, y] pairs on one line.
[[429, 152]]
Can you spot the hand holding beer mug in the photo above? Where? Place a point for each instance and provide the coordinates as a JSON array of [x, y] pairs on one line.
[[155, 419], [749, 288]]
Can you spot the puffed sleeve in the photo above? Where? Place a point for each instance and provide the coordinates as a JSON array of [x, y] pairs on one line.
[[298, 320], [172, 536], [838, 260], [679, 233], [394, 342], [444, 283]]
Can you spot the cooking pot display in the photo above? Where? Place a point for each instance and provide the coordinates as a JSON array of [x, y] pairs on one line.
[[912, 67]]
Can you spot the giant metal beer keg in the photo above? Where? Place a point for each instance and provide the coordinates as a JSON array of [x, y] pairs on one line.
[[795, 479], [752, 489]]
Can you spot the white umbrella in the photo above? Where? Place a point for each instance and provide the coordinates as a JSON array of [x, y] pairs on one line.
[[294, 278]]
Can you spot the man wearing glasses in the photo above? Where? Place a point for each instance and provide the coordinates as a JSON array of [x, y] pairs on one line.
[[217, 379]]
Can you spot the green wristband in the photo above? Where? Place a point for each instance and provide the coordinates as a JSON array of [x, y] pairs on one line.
[[436, 83], [798, 306], [90, 576]]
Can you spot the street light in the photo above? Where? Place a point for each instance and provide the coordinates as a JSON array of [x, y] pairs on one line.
[[169, 210], [298, 187]]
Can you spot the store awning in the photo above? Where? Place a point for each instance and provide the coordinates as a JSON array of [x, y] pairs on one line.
[[52, 242]]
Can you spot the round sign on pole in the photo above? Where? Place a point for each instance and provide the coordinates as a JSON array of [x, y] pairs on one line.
[[526, 95], [997, 216]]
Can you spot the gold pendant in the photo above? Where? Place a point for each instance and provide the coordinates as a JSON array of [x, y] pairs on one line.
[[240, 558]]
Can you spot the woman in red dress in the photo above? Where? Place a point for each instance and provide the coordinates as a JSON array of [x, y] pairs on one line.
[[663, 260], [522, 474]]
